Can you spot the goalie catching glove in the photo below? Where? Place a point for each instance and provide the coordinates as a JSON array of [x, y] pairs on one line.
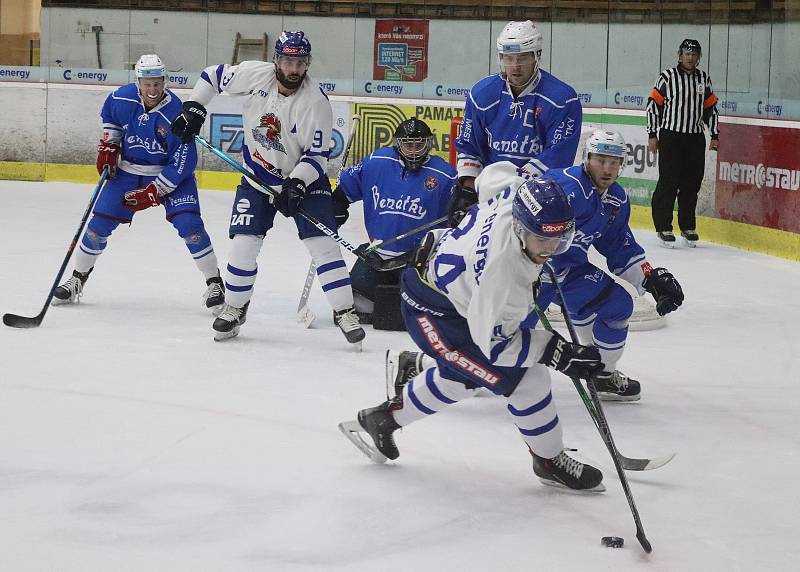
[[573, 360], [665, 289]]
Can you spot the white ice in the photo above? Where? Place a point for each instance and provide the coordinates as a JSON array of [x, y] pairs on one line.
[[130, 440]]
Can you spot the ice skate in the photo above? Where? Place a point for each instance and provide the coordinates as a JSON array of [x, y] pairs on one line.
[[667, 239], [347, 320], [379, 424], [70, 292], [228, 322], [616, 386], [214, 296], [564, 471], [690, 238], [402, 367]]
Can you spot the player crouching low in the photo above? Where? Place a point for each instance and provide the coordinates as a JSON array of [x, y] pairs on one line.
[[464, 301]]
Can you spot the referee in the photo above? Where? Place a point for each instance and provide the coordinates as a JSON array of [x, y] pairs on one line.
[[681, 101]]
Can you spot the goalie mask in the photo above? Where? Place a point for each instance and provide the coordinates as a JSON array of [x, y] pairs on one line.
[[413, 141], [519, 51], [544, 220]]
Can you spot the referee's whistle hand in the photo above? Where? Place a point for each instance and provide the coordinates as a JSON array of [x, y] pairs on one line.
[[652, 144], [713, 145]]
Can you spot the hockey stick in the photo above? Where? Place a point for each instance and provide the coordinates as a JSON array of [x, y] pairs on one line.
[[599, 419], [271, 192], [628, 463], [15, 321], [304, 313]]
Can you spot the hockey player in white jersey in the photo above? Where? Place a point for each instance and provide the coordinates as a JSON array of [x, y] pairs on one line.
[[287, 132], [463, 303]]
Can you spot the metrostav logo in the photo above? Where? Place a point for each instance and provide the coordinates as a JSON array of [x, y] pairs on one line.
[[760, 175]]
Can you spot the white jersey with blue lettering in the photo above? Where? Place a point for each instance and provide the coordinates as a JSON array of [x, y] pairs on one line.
[[481, 268], [284, 136]]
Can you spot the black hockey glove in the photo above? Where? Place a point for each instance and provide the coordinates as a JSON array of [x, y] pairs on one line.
[[341, 204], [189, 122], [573, 360], [665, 289], [372, 259], [460, 202], [288, 201]]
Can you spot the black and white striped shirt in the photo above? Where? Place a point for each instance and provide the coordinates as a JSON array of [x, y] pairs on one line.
[[681, 102]]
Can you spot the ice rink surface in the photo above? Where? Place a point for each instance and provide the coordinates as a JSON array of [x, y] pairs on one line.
[[130, 440]]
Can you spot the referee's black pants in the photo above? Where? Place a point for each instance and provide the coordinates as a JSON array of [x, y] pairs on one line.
[[681, 163]]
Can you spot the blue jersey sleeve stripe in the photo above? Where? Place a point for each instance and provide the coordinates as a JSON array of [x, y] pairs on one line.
[[526, 347], [498, 349], [204, 75], [220, 67], [313, 164]]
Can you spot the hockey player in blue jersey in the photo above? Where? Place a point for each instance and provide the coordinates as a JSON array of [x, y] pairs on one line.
[[464, 300], [600, 307], [148, 167], [523, 115], [401, 187]]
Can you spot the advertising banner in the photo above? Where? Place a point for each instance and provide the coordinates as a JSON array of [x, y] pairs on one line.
[[401, 50], [226, 132], [758, 176], [379, 122]]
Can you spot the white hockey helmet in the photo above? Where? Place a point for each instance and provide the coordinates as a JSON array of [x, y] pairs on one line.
[[608, 143], [149, 66], [520, 38]]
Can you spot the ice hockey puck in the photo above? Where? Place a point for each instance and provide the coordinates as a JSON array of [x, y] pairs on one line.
[[612, 541]]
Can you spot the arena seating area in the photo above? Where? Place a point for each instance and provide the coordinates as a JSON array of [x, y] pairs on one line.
[[715, 11]]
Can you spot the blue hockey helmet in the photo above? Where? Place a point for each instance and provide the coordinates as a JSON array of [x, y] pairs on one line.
[[293, 45], [544, 219]]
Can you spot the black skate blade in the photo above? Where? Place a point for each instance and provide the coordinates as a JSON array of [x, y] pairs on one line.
[[600, 488], [353, 430], [666, 244], [15, 321], [644, 464]]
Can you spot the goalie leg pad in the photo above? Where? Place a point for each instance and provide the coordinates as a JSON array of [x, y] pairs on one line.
[[386, 313]]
